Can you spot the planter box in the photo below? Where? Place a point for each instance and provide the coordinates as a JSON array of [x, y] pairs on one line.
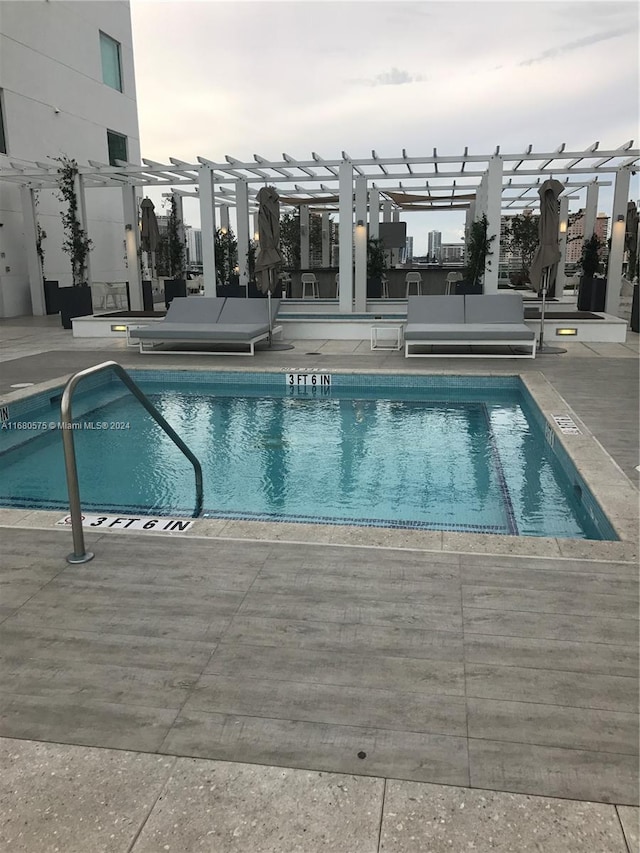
[[74, 302], [174, 287], [592, 294], [374, 288], [51, 301]]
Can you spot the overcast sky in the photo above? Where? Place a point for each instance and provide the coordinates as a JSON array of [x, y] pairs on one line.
[[245, 78]]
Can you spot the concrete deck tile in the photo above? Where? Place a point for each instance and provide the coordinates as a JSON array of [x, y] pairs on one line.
[[75, 799], [551, 725], [240, 808], [415, 675], [338, 609], [318, 746], [210, 578], [312, 582], [572, 773], [578, 602], [551, 626], [556, 580], [127, 685], [357, 639], [552, 687], [562, 564], [630, 820], [206, 626], [76, 720], [15, 593], [485, 543], [330, 703], [552, 654], [591, 550], [60, 645], [419, 817]]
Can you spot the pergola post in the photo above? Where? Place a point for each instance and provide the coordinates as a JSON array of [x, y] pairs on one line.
[[345, 236], [562, 245], [493, 210], [326, 243], [82, 218], [223, 210], [395, 253], [242, 216], [34, 267], [206, 195], [304, 237], [616, 252], [131, 241], [590, 211], [360, 245], [374, 214]]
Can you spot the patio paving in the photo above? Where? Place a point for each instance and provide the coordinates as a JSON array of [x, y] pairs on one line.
[[303, 696]]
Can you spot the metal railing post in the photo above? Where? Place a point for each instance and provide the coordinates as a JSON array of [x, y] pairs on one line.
[[80, 554]]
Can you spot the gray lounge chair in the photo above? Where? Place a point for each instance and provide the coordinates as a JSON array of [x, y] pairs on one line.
[[213, 321], [487, 320]]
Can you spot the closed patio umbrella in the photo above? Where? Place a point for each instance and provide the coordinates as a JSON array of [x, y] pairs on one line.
[[268, 257], [150, 234], [545, 261]]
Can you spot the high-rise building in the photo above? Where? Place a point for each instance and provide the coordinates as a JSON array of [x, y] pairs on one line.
[[434, 245], [407, 252], [452, 253], [193, 237], [67, 87], [575, 234]]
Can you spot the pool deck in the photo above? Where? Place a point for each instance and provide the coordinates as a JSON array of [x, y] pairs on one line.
[[254, 687]]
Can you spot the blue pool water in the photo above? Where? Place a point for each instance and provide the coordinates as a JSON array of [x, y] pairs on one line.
[[431, 453]]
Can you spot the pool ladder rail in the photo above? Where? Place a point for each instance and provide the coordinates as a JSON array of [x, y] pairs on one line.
[[80, 554]]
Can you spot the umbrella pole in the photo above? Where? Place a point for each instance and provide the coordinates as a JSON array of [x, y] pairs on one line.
[[543, 348], [545, 282], [269, 309]]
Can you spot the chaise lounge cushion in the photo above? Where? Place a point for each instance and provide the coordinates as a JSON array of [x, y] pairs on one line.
[[434, 317], [493, 308]]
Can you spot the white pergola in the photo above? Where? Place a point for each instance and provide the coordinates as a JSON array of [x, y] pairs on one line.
[[363, 191]]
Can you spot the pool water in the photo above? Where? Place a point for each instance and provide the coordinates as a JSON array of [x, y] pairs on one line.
[[429, 457]]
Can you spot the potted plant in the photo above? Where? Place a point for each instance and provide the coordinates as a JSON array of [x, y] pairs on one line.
[[376, 266], [177, 284], [50, 287], [74, 301], [591, 296], [478, 251]]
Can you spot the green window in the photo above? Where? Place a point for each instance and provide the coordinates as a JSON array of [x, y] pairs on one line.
[[117, 144], [111, 67]]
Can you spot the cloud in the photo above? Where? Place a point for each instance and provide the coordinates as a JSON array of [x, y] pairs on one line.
[[393, 77], [553, 52]]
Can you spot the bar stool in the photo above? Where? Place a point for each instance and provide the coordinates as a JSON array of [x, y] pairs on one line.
[[452, 279], [337, 285], [413, 278], [309, 279], [385, 287]]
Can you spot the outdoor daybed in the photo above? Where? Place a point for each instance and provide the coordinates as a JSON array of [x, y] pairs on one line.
[[232, 326], [486, 320]]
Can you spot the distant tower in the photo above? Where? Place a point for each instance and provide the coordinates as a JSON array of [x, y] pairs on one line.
[[434, 245]]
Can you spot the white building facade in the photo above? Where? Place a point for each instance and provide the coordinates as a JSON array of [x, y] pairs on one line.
[[67, 88]]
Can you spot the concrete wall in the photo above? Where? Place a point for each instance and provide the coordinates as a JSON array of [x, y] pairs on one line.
[[55, 103]]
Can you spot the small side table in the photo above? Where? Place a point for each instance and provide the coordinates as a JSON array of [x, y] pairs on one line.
[[386, 337]]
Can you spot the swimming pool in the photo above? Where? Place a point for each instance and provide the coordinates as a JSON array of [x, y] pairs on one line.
[[457, 453]]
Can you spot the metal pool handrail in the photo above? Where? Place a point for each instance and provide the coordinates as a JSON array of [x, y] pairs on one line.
[[80, 555]]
